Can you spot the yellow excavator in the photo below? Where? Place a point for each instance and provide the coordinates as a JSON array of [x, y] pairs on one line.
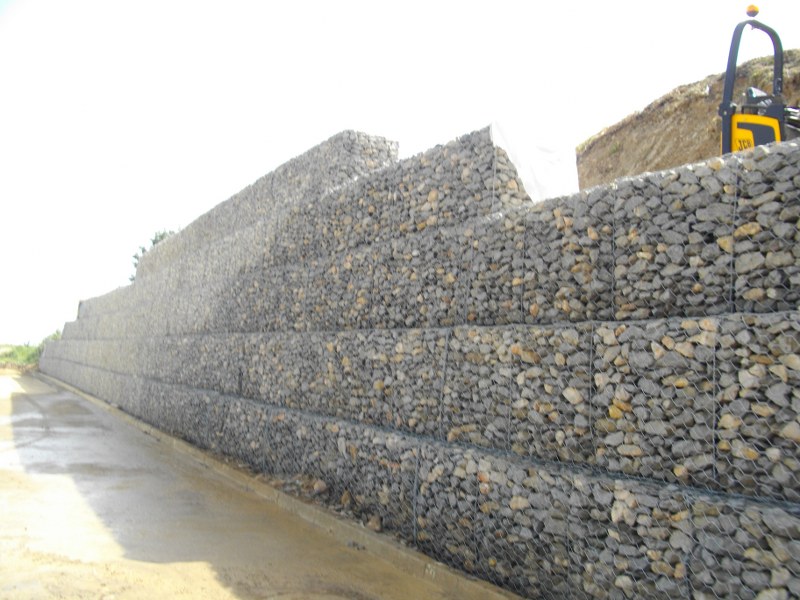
[[762, 118]]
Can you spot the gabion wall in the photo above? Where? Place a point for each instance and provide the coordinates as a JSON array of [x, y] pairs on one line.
[[596, 396]]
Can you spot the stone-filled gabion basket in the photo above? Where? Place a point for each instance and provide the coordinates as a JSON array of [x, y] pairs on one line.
[[593, 396]]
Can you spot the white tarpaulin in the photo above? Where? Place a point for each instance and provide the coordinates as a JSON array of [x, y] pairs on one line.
[[547, 170]]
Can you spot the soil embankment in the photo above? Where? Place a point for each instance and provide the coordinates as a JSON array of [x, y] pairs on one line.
[[679, 128]]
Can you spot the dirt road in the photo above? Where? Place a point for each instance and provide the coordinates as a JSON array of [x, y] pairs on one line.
[[92, 507]]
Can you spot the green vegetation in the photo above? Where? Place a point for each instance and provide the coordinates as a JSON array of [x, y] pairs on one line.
[[158, 236], [25, 355], [19, 355]]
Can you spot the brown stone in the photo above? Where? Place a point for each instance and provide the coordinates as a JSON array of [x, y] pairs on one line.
[[629, 450], [680, 571], [661, 568], [791, 431], [748, 229], [726, 243], [762, 410], [708, 325], [729, 421], [680, 382], [792, 361], [530, 357], [519, 503], [572, 395], [374, 523], [680, 471], [614, 412]]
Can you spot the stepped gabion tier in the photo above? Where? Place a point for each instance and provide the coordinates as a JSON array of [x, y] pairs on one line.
[[593, 396]]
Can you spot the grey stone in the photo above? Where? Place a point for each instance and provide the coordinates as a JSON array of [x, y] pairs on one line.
[[681, 541], [748, 262], [640, 360], [781, 523]]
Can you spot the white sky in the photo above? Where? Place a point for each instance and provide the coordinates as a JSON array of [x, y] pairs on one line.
[[121, 118]]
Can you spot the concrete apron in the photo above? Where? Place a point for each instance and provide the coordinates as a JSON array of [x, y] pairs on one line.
[[93, 507]]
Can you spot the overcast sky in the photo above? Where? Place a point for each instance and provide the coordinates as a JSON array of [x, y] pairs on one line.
[[118, 119]]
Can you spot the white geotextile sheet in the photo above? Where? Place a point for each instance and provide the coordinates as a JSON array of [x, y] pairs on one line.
[[547, 169]]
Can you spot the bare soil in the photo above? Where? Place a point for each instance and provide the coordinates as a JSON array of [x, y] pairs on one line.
[[679, 128]]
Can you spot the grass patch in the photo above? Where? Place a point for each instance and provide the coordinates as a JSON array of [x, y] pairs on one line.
[[20, 356], [24, 355]]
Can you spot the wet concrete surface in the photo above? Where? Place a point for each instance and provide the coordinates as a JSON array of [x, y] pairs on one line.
[[93, 507]]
